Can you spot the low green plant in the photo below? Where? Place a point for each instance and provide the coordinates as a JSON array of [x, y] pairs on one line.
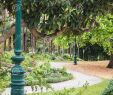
[[4, 78], [85, 90], [109, 89], [44, 74], [6, 57], [67, 57], [58, 75], [37, 77]]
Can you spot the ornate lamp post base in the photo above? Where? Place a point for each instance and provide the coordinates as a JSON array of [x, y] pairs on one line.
[[17, 76]]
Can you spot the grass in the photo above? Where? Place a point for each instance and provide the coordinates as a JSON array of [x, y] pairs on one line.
[[95, 89], [86, 90]]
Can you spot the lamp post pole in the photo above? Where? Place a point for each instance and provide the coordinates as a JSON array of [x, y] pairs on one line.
[[75, 57], [17, 72]]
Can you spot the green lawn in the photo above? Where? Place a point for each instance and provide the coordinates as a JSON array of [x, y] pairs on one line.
[[86, 90]]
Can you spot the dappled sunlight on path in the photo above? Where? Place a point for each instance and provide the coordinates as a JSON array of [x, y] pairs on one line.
[[95, 68]]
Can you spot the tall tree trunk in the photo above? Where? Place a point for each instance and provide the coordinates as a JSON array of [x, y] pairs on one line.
[[69, 49], [4, 19], [33, 44], [59, 50], [83, 51], [13, 40], [9, 44], [30, 39], [78, 52], [62, 50], [25, 42], [110, 65], [5, 45], [51, 47], [44, 47]]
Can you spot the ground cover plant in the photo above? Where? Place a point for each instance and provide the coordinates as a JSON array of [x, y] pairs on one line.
[[38, 72], [4, 78], [85, 90], [109, 89], [42, 75]]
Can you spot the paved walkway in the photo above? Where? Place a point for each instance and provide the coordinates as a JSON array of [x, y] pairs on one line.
[[78, 81]]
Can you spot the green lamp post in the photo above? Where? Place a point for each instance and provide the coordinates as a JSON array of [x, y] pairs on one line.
[[75, 56], [17, 72]]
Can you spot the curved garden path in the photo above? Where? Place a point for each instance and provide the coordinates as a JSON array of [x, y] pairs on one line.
[[79, 80]]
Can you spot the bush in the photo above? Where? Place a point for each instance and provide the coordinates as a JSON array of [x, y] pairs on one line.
[[109, 89], [59, 79], [6, 57], [4, 78], [47, 74], [58, 75], [66, 56]]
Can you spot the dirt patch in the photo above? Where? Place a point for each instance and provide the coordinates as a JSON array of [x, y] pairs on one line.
[[96, 68]]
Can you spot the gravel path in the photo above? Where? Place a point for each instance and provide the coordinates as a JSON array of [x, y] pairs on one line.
[[79, 80]]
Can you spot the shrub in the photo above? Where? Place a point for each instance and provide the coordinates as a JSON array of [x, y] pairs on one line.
[[66, 56], [6, 57], [4, 78], [37, 76], [109, 89], [47, 74], [59, 79]]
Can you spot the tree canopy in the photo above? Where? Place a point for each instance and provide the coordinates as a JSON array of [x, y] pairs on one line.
[[50, 17], [101, 35]]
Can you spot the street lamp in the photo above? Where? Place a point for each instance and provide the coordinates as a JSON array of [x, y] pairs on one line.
[[17, 72], [75, 57]]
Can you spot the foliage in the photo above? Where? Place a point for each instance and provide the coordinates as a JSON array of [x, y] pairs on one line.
[[109, 89], [86, 90], [52, 57], [40, 72], [102, 34], [44, 74], [50, 16], [29, 61], [36, 78], [46, 57], [57, 75], [4, 78], [5, 60], [66, 57], [63, 41], [6, 57]]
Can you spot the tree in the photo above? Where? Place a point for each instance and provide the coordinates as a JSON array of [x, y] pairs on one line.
[[50, 17], [101, 35]]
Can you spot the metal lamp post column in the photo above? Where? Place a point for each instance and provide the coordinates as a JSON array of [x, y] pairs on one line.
[[75, 58], [17, 72]]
